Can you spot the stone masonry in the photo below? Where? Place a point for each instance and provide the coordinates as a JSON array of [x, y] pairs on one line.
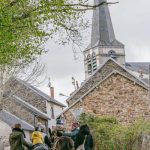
[[104, 71], [22, 112], [116, 96], [24, 91], [14, 107]]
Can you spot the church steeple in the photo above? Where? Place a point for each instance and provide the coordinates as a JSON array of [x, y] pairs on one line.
[[102, 28], [103, 41]]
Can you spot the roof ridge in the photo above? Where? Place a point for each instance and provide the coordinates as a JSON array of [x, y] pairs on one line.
[[35, 89]]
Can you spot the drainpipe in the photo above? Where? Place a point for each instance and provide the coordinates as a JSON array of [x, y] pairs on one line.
[[34, 121]]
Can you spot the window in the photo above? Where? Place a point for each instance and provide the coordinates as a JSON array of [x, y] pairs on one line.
[[89, 64], [52, 112], [94, 61], [112, 54]]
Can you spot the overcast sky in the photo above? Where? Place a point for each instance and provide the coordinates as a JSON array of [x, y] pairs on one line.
[[131, 21]]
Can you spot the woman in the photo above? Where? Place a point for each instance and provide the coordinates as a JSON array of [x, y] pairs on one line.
[[37, 140], [84, 137]]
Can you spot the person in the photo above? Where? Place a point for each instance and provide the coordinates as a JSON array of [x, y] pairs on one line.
[[58, 131], [74, 131], [17, 139], [37, 140], [85, 137], [46, 139], [64, 143]]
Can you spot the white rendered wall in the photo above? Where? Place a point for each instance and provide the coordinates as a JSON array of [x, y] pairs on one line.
[[57, 110]]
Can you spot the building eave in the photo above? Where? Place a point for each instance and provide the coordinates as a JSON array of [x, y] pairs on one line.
[[40, 93]]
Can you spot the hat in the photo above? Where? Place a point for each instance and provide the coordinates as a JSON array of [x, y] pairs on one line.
[[17, 125], [59, 122]]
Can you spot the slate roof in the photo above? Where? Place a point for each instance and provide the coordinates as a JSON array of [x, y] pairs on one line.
[[11, 119], [39, 92], [138, 66], [31, 108], [102, 28]]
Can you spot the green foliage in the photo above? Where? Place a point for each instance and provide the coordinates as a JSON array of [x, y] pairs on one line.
[[25, 25], [109, 134]]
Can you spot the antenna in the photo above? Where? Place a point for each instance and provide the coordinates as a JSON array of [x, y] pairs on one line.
[[49, 83], [74, 82]]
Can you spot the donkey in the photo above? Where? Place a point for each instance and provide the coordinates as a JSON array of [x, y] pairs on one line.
[[63, 143]]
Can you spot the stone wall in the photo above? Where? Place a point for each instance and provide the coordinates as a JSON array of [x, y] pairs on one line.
[[18, 110], [101, 74], [116, 96], [30, 96], [21, 112]]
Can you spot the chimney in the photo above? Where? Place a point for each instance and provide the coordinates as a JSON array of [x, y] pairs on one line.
[[52, 92]]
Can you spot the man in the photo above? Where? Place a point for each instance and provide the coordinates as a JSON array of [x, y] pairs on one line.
[[16, 139], [58, 130], [74, 131]]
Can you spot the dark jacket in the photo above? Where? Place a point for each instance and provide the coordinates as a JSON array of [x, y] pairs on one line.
[[47, 141], [72, 134], [17, 141], [84, 133]]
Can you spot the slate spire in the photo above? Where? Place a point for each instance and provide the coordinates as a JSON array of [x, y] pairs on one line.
[[102, 28]]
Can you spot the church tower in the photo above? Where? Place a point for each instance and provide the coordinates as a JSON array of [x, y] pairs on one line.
[[103, 41]]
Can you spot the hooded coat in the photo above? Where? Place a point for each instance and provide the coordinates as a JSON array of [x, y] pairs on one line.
[[17, 141], [37, 138], [84, 134]]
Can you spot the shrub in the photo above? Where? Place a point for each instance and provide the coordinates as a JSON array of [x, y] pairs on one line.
[[109, 134]]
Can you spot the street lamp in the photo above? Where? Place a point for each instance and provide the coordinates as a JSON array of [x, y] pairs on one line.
[[61, 94]]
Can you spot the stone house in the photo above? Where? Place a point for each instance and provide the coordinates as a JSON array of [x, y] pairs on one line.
[[22, 103], [113, 91], [112, 86]]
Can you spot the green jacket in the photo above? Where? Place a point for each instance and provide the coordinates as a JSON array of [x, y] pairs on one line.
[[17, 141]]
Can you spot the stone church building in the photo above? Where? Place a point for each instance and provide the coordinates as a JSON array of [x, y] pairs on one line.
[[113, 86]]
